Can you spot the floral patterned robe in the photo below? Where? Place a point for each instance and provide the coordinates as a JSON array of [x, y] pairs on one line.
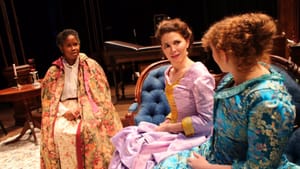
[[99, 119]]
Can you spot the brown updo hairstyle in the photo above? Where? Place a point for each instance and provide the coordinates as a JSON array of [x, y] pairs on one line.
[[174, 25], [247, 38]]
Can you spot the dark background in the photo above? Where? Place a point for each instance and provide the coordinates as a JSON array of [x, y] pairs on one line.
[[100, 20]]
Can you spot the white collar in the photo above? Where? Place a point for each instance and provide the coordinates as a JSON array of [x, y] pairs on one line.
[[75, 65]]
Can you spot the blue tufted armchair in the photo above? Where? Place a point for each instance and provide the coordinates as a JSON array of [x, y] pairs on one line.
[[150, 103]]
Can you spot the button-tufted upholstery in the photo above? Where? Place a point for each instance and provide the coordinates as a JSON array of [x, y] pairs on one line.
[[154, 106], [151, 104]]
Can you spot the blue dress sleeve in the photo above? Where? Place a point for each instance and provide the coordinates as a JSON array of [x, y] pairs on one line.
[[270, 123]]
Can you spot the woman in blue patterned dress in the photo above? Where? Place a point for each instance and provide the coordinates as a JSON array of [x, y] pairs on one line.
[[253, 114]]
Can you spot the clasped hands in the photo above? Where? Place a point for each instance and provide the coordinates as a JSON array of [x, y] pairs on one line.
[[168, 126], [164, 126], [69, 115]]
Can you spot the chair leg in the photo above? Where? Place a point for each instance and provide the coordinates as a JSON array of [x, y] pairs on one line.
[[3, 128]]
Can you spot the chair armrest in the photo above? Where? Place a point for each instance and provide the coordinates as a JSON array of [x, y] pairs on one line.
[[129, 117], [133, 107]]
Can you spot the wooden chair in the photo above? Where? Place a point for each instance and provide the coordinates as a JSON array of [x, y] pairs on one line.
[[150, 103], [289, 66]]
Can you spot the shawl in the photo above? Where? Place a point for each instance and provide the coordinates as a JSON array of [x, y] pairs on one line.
[[99, 119]]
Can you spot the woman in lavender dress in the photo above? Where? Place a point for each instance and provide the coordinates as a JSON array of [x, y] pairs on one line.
[[189, 90]]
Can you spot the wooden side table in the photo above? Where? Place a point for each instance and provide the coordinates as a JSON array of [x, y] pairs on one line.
[[25, 93]]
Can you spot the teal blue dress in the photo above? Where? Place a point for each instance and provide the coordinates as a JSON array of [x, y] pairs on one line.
[[252, 124]]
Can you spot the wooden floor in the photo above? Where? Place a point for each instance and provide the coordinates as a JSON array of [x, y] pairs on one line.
[[6, 114]]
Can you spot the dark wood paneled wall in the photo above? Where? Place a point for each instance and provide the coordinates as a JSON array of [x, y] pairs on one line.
[[289, 18]]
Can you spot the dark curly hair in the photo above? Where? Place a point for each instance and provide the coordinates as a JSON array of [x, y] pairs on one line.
[[61, 36]]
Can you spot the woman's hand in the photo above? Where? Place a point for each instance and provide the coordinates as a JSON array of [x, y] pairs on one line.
[[69, 116], [198, 162], [164, 126], [168, 126]]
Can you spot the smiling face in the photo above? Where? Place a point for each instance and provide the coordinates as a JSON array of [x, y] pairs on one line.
[[174, 46], [70, 49]]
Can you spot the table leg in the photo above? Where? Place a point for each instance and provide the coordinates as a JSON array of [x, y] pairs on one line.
[[25, 128], [30, 121], [122, 80], [115, 83], [3, 128], [29, 124]]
